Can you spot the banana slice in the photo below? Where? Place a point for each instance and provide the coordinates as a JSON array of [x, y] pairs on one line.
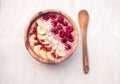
[[32, 40], [40, 22], [41, 29], [50, 56], [41, 36], [46, 42], [60, 51], [43, 54], [37, 49]]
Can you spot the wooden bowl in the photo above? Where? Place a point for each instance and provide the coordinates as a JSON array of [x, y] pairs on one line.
[[34, 18]]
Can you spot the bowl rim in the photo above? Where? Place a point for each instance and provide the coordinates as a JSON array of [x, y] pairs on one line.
[[38, 58]]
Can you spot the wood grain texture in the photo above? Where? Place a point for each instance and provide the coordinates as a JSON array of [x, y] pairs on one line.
[[38, 58], [83, 19]]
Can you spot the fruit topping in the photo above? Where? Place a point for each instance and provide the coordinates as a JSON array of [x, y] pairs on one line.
[[53, 16], [67, 46], [69, 28], [59, 27], [64, 40], [70, 38], [32, 40], [41, 29], [58, 57], [53, 54], [37, 49], [61, 33], [60, 51], [40, 22], [41, 36], [46, 17], [60, 19], [65, 23], [43, 53], [50, 56], [54, 23], [68, 34], [54, 30]]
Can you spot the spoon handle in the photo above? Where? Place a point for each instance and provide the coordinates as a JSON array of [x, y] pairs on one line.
[[85, 52]]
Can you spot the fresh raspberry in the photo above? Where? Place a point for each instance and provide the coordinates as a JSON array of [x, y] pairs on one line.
[[59, 27], [54, 23], [65, 23], [60, 19], [49, 49], [58, 57], [68, 34], [67, 46], [69, 28], [46, 17], [61, 33], [54, 30], [53, 54], [53, 16], [70, 38], [64, 40]]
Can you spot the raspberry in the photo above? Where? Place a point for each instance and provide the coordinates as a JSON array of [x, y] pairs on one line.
[[67, 46], [54, 30], [59, 27], [65, 23], [61, 33], [53, 54], [60, 19], [64, 40], [49, 49], [70, 38], [69, 28], [54, 23], [53, 16], [68, 34], [46, 17], [58, 57]]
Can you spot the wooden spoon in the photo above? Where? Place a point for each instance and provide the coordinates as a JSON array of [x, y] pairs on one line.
[[83, 18]]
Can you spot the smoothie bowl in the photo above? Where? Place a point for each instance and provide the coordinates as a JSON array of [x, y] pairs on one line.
[[51, 36]]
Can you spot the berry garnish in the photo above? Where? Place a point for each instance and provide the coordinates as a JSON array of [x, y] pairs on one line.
[[59, 27], [54, 30], [61, 33], [53, 54], [68, 34], [36, 43], [53, 16], [67, 46], [49, 49], [69, 28], [58, 57], [70, 38], [54, 23], [64, 40], [60, 19], [65, 23], [46, 17]]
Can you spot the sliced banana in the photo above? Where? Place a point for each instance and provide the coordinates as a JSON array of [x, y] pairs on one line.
[[43, 54], [46, 42], [40, 22], [37, 49], [41, 36], [32, 40], [41, 29], [50, 56], [60, 51]]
